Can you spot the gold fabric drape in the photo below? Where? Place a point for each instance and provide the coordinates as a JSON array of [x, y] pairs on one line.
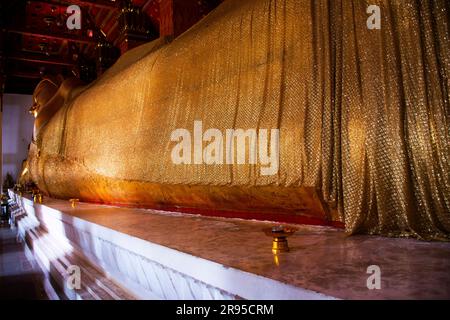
[[363, 115]]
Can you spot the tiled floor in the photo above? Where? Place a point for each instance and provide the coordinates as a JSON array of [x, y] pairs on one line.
[[20, 277]]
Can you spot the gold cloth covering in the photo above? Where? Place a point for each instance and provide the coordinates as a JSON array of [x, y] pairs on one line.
[[363, 116]]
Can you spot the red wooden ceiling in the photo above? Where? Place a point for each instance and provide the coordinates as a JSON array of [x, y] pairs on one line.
[[42, 33]]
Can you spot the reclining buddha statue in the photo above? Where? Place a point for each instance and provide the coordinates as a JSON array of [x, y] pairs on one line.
[[354, 119]]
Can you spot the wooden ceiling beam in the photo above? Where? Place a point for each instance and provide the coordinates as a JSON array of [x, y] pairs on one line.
[[39, 59], [102, 4], [43, 34], [145, 6], [28, 75]]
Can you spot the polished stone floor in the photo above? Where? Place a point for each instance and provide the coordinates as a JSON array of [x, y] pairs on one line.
[[321, 259], [20, 277]]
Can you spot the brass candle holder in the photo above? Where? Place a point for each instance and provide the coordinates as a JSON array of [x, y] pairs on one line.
[[74, 202], [37, 197], [279, 235]]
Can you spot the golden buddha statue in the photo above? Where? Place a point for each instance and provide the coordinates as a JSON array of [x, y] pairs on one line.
[[362, 114]]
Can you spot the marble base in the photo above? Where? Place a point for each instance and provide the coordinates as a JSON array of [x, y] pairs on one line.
[[149, 254]]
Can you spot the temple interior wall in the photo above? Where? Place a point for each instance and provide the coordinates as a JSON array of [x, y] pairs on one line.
[[17, 128]]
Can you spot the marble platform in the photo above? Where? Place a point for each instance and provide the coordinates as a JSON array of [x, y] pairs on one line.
[[161, 255]]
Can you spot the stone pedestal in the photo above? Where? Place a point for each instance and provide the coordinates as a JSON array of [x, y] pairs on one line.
[[127, 253], [129, 266]]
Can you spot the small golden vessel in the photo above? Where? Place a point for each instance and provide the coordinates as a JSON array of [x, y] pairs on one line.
[[37, 197], [74, 202], [279, 235]]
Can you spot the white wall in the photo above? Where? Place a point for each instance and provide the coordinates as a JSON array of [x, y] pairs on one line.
[[17, 129]]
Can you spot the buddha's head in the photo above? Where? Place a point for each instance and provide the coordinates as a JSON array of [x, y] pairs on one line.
[[44, 92]]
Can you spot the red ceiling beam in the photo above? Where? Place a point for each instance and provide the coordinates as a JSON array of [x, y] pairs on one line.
[[83, 3], [42, 34], [39, 59], [106, 20], [27, 75], [145, 6]]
